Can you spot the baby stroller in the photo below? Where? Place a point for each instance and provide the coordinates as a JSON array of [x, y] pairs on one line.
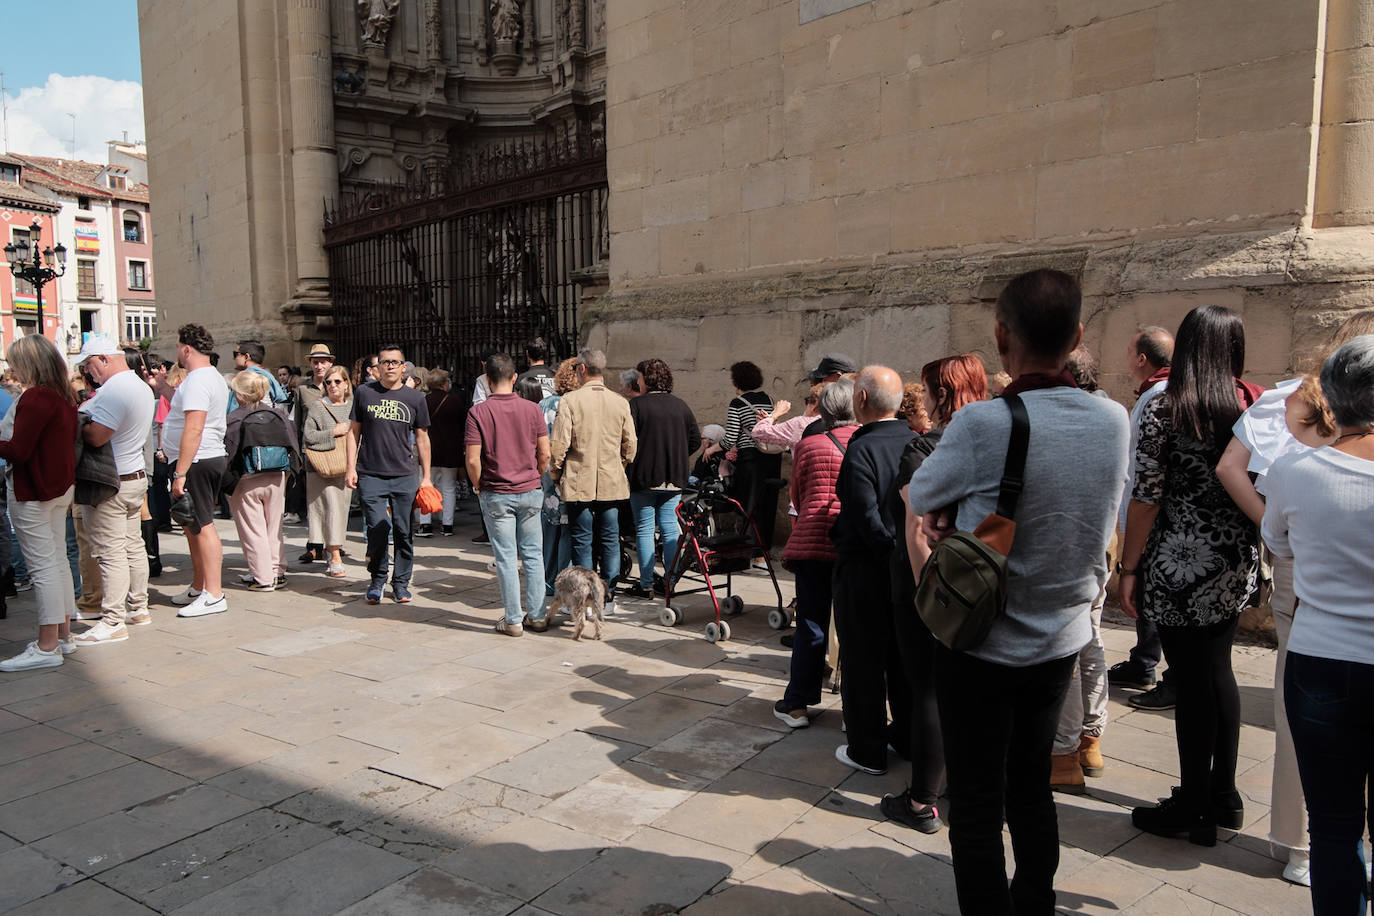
[[717, 537]]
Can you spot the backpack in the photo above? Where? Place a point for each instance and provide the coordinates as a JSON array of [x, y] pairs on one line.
[[266, 444], [963, 587]]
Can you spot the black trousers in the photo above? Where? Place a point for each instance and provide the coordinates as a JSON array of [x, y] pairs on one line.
[[917, 647], [1207, 717], [750, 485], [998, 724], [872, 678]]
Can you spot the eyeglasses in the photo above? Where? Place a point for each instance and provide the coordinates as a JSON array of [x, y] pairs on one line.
[[390, 362], [334, 381]]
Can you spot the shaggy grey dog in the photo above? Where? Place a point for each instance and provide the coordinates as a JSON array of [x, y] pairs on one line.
[[581, 590]]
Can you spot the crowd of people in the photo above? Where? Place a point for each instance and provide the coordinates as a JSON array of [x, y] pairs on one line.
[[1206, 489]]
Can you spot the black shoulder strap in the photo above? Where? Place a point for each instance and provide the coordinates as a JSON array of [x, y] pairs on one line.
[[831, 436], [1014, 472]]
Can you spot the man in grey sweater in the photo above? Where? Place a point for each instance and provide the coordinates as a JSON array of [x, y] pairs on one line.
[[999, 703]]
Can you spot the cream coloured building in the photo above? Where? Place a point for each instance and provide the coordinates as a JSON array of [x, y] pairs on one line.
[[786, 177], [790, 177]]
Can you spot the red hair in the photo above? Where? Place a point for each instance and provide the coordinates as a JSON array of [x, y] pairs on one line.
[[953, 382]]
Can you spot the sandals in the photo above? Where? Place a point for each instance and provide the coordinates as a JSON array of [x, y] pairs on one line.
[[336, 570]]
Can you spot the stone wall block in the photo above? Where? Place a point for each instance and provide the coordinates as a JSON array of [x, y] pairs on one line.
[[889, 162], [863, 225], [762, 186], [626, 42], [632, 165], [726, 192], [792, 233], [1244, 176], [720, 244], [1189, 33], [770, 340], [757, 36], [949, 93], [1031, 73], [626, 210], [1269, 316], [672, 202], [1351, 74], [1114, 54], [831, 116], [1258, 96], [708, 14], [978, 210], [1156, 114], [634, 254], [672, 340], [1349, 24], [988, 24], [694, 152], [1205, 262]]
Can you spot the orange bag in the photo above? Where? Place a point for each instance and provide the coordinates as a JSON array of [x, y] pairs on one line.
[[428, 500]]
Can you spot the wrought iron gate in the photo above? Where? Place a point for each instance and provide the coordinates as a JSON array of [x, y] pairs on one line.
[[493, 261]]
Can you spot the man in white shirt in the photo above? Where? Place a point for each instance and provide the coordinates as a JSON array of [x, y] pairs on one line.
[[193, 438], [120, 414]]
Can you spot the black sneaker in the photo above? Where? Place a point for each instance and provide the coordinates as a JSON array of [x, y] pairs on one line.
[[1161, 697], [637, 591], [1131, 674], [256, 586], [280, 582], [424, 531], [898, 808], [787, 639], [448, 530]]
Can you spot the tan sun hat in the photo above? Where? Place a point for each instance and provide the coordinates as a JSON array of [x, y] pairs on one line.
[[320, 351]]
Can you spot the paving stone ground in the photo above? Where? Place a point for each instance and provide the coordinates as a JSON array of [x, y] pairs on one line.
[[306, 753]]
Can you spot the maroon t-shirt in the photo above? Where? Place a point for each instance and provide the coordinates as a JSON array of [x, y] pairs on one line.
[[508, 428]]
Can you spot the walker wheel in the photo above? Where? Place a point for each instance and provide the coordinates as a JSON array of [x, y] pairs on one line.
[[668, 616], [715, 632], [724, 630], [733, 605], [779, 619]]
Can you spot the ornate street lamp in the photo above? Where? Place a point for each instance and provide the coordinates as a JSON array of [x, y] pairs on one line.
[[38, 268]]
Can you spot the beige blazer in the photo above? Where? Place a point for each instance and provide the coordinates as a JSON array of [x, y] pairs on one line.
[[593, 440]]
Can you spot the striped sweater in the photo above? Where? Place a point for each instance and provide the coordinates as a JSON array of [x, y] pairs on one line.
[[739, 423]]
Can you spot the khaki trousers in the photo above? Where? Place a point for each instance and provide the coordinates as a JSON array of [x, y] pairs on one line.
[[90, 599], [259, 501], [115, 534]]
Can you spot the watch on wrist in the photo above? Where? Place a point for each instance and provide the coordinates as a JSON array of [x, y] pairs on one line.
[[179, 476], [1121, 570]]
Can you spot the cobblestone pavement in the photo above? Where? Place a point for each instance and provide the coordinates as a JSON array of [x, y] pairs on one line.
[[307, 753]]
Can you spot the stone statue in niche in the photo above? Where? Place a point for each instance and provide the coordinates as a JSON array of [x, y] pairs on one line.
[[433, 34], [376, 17], [505, 20]]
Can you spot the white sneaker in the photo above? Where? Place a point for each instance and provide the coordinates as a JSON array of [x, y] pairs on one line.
[[204, 606], [102, 633], [1297, 870], [138, 618], [182, 599], [31, 658], [82, 614], [247, 579], [67, 644]]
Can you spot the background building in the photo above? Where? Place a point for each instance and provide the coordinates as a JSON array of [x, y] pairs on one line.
[[19, 207]]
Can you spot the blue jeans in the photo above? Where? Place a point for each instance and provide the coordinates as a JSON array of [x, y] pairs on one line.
[[814, 595], [557, 552], [1332, 722], [654, 508], [517, 540], [397, 494], [582, 517]]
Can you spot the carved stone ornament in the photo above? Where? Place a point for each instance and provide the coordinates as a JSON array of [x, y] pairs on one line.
[[376, 17], [433, 32], [505, 20], [577, 24]]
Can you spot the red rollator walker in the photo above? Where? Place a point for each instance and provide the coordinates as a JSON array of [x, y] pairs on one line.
[[718, 536]]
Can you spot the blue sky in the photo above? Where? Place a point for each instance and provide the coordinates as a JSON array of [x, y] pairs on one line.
[[79, 38], [75, 88]]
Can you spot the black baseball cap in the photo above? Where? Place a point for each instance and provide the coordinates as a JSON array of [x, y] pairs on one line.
[[830, 364]]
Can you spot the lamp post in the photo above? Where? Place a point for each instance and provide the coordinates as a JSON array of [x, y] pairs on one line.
[[37, 267]]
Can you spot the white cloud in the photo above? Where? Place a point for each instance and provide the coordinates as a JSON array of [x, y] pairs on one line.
[[105, 109]]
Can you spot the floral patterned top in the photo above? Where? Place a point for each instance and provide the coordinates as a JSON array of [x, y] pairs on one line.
[[1202, 558]]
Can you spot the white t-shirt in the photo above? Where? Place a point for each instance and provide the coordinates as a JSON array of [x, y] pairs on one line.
[[202, 389], [125, 404], [1263, 430]]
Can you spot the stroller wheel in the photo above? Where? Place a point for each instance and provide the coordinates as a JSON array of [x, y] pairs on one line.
[[779, 619], [669, 616]]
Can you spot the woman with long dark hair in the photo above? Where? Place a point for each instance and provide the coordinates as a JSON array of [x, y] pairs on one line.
[[1189, 564], [39, 449], [950, 384]]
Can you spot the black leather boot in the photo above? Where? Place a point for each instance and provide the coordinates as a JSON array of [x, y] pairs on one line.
[[151, 546]]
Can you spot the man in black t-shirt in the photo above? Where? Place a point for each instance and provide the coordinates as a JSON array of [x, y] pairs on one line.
[[387, 417], [537, 352]]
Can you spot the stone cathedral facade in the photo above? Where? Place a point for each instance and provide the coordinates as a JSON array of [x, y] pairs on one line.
[[264, 112]]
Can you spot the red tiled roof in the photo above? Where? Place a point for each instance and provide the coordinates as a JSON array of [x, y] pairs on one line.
[[25, 199], [76, 176]]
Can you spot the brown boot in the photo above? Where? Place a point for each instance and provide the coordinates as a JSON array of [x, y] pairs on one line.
[[1065, 774], [1090, 756]]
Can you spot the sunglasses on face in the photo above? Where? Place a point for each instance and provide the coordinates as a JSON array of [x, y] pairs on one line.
[[334, 381]]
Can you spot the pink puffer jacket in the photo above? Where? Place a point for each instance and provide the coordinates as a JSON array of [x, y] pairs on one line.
[[815, 468]]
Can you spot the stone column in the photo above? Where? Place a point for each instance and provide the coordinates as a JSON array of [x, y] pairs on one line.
[[314, 163], [1345, 147]]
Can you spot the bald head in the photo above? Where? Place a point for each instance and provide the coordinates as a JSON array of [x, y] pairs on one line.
[[877, 394]]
